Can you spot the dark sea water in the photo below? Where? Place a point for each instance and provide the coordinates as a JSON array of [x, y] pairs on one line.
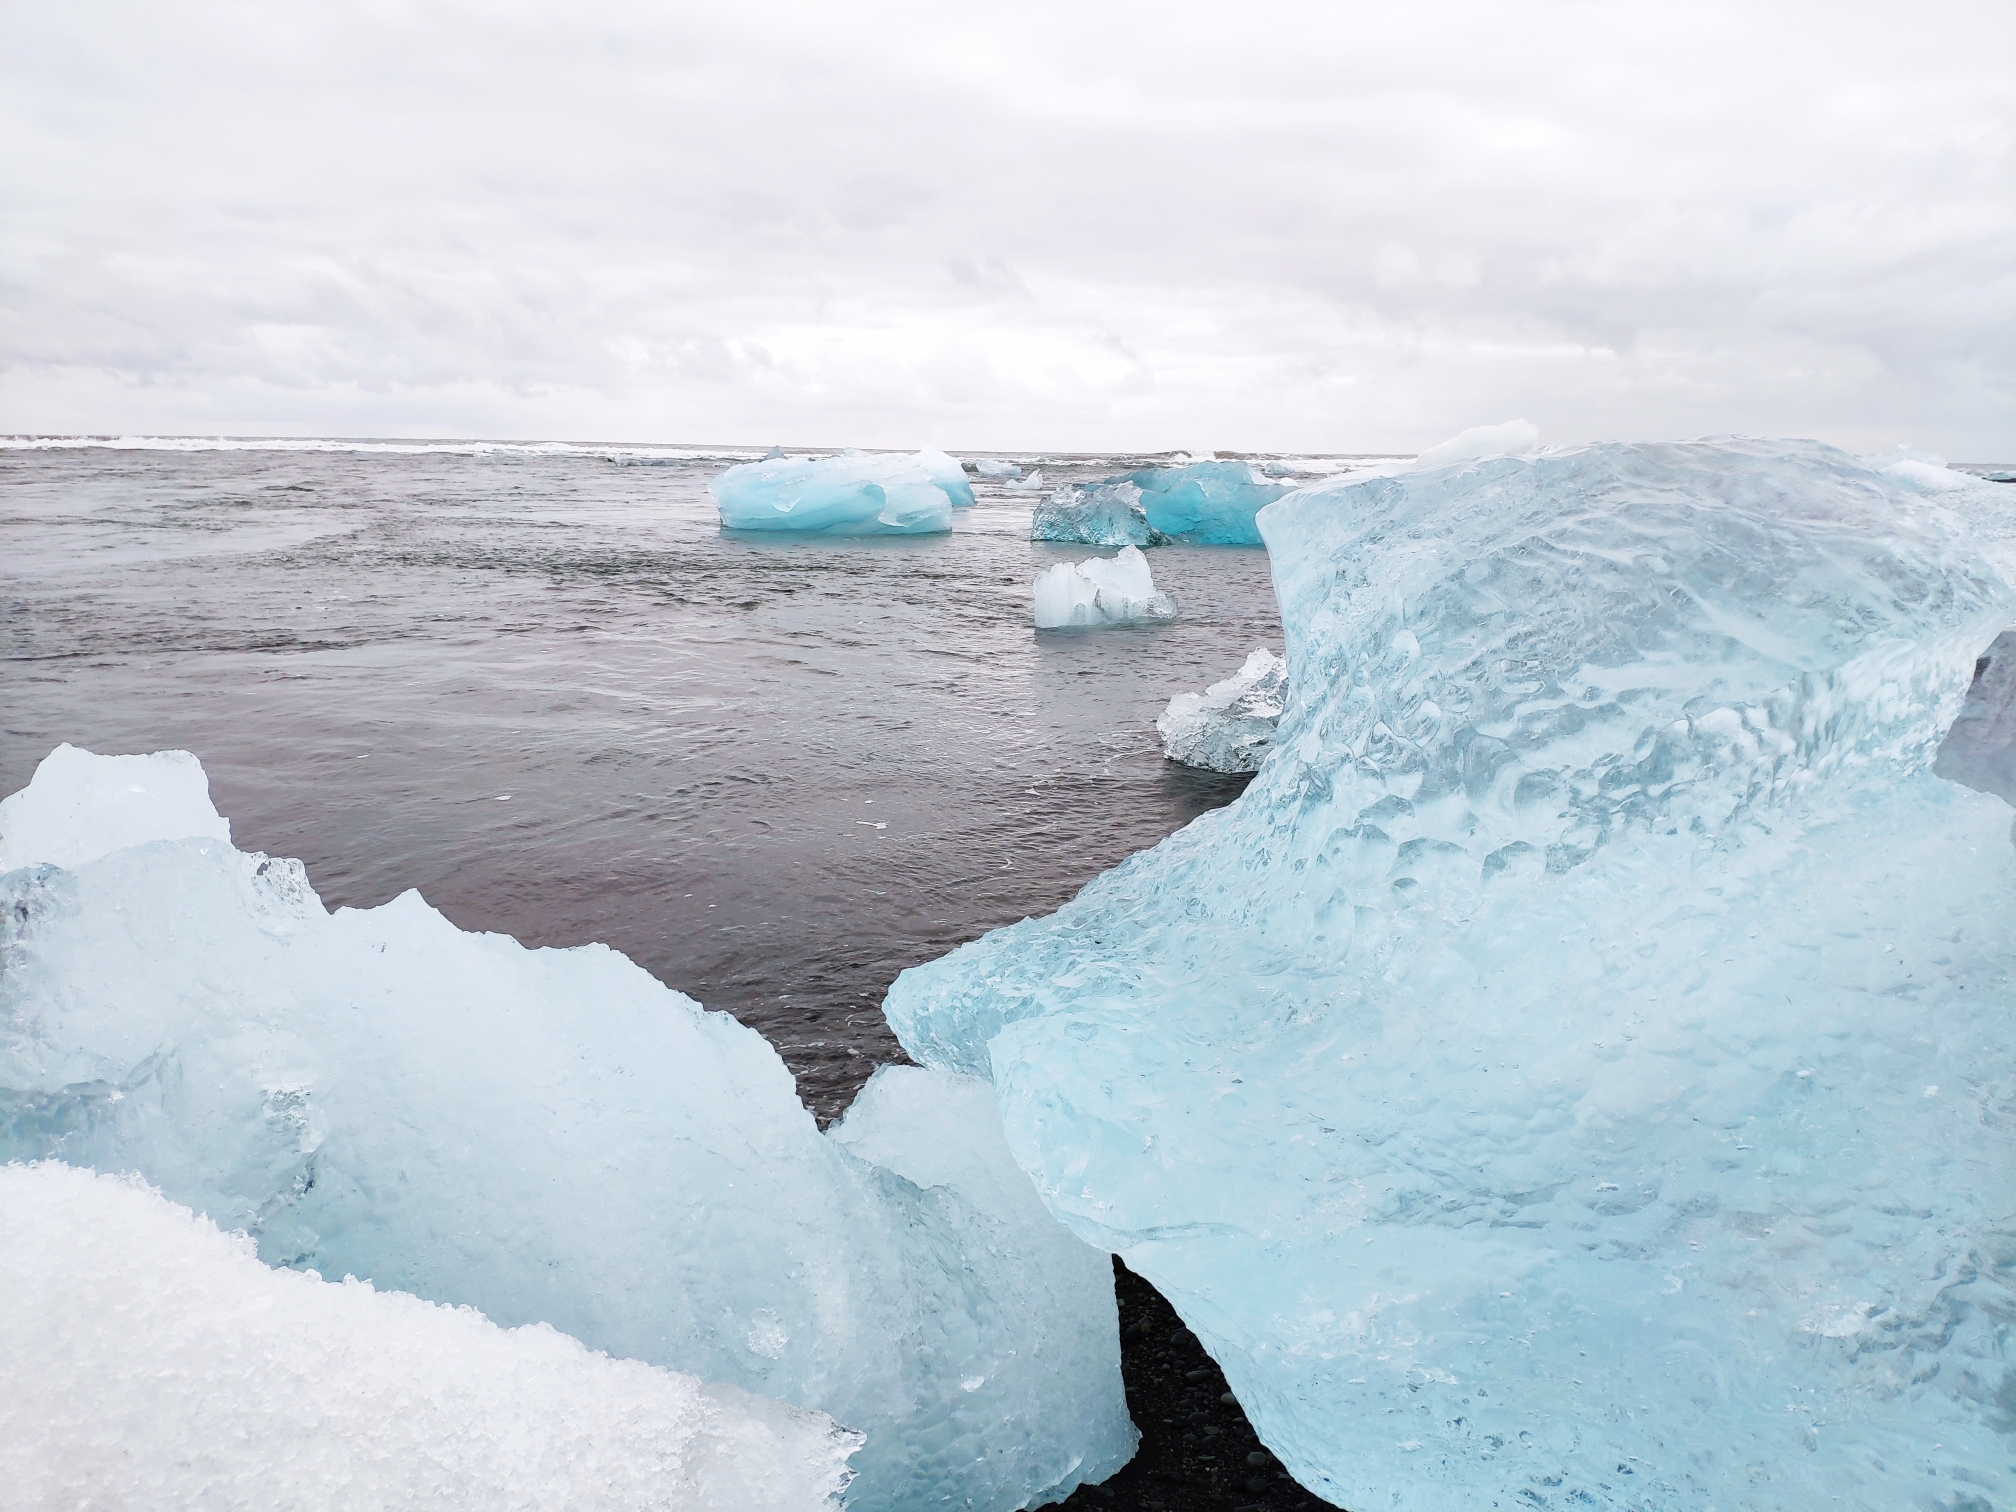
[[542, 687]]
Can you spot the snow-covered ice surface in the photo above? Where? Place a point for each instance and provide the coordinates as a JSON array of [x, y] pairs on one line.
[[1100, 592], [548, 1136], [1578, 1072], [856, 493], [153, 1361], [1229, 726], [1096, 514]]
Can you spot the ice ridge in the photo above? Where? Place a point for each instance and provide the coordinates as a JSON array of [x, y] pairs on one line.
[[550, 1136], [1576, 1073]]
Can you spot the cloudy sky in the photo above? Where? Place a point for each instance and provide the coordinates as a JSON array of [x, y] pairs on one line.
[[1313, 226]]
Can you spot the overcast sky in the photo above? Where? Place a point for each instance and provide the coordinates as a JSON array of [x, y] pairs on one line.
[[1325, 227]]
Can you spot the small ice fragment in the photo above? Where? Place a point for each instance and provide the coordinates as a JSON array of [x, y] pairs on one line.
[[1230, 725], [1032, 484], [1101, 591], [1099, 514], [994, 467], [79, 806]]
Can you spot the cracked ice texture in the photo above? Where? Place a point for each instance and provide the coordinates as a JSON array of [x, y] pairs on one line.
[[1578, 1072], [851, 494], [155, 1362], [552, 1136]]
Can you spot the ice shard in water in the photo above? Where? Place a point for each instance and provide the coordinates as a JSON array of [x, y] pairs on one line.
[[1230, 725], [1097, 514], [1101, 592], [1578, 1072], [155, 1362], [852, 494], [549, 1136]]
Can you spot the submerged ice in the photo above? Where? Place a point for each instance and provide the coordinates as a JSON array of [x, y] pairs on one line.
[[1099, 592], [549, 1136], [1577, 1073], [1229, 726], [169, 1368], [856, 493]]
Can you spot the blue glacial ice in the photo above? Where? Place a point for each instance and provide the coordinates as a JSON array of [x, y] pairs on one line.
[[856, 493], [1229, 727], [169, 1368], [1095, 514], [1578, 1072], [1101, 592], [548, 1136], [1211, 503], [949, 474]]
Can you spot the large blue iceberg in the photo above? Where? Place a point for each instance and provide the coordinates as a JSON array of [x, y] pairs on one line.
[[855, 493], [1208, 503], [550, 1136], [1580, 1072]]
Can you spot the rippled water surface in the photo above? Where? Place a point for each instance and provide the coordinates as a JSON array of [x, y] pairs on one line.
[[547, 691]]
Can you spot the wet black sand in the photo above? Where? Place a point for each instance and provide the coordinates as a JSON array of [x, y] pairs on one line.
[[1197, 1450]]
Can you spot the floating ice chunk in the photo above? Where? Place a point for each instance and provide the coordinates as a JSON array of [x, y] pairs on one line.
[[1032, 484], [1099, 514], [553, 1136], [994, 467], [1512, 438], [1100, 591], [1586, 1043], [156, 1363], [948, 474], [852, 494], [79, 806], [1229, 726], [1211, 503]]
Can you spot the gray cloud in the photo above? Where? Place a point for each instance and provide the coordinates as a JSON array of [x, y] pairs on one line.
[[1300, 226]]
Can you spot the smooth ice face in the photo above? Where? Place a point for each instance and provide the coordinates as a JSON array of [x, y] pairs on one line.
[[852, 494], [155, 1363], [553, 1136], [1210, 503], [78, 807], [1577, 1072], [1513, 438], [1980, 749], [1099, 514], [949, 475], [1100, 592], [1230, 725]]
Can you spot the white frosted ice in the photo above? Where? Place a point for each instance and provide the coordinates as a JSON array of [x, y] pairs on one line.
[[994, 467], [948, 474], [553, 1136], [855, 493], [78, 807], [1577, 1073], [1229, 726], [1512, 438], [1101, 591], [153, 1362], [1032, 484]]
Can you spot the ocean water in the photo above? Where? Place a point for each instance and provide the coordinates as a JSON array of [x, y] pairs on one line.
[[540, 685]]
